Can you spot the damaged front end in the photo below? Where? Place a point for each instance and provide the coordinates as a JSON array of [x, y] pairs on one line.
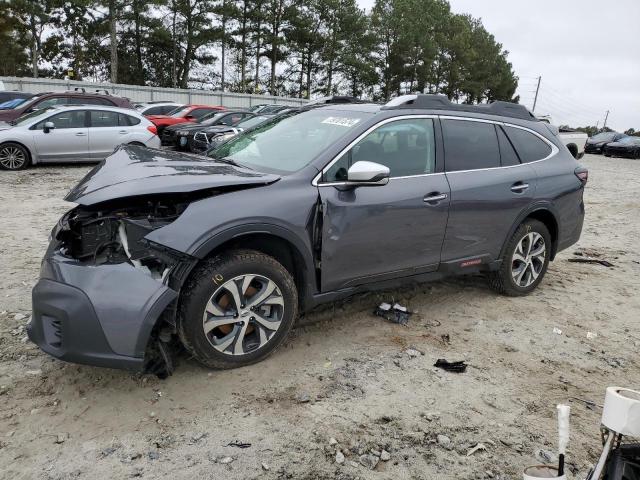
[[108, 296]]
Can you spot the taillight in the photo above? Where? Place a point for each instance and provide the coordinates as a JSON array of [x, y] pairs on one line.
[[153, 129], [582, 174]]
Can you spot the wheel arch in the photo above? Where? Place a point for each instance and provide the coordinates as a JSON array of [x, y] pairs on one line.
[[543, 213], [29, 152], [277, 242]]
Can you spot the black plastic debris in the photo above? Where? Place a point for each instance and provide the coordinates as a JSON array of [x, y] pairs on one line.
[[395, 313], [592, 260], [238, 444], [456, 367]]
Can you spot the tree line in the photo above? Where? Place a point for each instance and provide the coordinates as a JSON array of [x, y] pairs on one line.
[[282, 47]]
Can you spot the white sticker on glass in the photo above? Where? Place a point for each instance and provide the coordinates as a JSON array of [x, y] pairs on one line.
[[341, 121]]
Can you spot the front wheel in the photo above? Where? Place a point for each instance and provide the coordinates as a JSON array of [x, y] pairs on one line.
[[236, 309], [525, 260], [13, 156]]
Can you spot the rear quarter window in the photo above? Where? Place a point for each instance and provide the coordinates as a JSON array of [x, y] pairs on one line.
[[530, 147], [470, 145]]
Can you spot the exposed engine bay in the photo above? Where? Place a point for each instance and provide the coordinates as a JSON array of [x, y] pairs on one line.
[[115, 234]]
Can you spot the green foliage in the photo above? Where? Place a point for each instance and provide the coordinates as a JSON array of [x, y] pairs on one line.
[[286, 47]]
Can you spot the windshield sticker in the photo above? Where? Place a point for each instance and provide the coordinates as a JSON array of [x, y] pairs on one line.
[[341, 121]]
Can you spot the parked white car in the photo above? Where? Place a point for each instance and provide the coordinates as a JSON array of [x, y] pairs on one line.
[[157, 108], [574, 140], [79, 133]]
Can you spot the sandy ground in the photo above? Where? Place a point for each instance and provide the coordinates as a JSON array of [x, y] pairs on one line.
[[366, 392]]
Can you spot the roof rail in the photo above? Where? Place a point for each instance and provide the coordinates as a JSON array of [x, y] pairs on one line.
[[99, 90], [441, 102], [79, 89]]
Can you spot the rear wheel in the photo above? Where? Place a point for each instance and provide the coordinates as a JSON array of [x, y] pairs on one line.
[[525, 260], [14, 156], [237, 309]]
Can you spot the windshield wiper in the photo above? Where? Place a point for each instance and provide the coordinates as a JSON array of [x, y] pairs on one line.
[[231, 161]]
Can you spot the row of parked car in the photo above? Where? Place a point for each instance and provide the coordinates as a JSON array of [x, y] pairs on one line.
[[80, 126], [614, 144]]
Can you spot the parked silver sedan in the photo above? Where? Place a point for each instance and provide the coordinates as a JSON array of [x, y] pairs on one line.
[[80, 133]]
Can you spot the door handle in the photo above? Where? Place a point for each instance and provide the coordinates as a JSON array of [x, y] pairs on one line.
[[435, 197], [519, 187], [122, 132], [81, 134]]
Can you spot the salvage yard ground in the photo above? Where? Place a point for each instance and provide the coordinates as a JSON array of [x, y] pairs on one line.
[[346, 380]]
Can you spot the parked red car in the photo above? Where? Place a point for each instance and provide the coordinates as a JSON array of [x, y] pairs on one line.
[[188, 113]]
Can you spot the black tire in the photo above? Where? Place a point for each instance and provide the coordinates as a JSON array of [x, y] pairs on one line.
[[200, 288], [10, 164], [502, 280]]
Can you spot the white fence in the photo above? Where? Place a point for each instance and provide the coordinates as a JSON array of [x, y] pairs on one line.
[[139, 93]]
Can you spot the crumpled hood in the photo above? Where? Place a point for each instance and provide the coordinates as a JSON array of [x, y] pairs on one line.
[[134, 171]]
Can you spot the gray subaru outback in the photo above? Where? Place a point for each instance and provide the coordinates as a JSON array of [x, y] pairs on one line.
[[221, 254]]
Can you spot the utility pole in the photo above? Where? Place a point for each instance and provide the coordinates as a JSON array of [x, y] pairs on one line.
[[605, 120], [535, 100]]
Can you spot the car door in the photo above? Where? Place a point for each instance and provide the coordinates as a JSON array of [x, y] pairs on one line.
[[490, 187], [105, 133], [373, 233], [68, 141]]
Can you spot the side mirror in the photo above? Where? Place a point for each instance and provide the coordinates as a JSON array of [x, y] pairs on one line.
[[368, 173], [48, 126], [189, 117]]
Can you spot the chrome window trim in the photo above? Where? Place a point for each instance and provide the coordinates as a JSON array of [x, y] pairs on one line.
[[554, 150], [316, 180]]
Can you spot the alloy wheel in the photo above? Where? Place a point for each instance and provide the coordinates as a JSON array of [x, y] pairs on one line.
[[528, 259], [243, 314], [12, 158]]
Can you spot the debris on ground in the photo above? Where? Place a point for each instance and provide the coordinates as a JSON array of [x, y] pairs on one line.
[[303, 397], [339, 457], [395, 313], [457, 367], [265, 467], [413, 352], [368, 460], [444, 442], [592, 260], [238, 444], [226, 460], [446, 339], [557, 331], [591, 335], [590, 404], [385, 456], [478, 447]]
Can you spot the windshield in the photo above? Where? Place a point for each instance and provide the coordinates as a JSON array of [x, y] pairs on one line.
[[212, 118], [630, 140], [12, 103], [287, 143], [604, 136], [179, 112]]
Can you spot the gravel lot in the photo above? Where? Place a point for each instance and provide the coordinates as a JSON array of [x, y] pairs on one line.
[[345, 381]]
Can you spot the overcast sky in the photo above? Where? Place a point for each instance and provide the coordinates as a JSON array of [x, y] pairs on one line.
[[587, 52]]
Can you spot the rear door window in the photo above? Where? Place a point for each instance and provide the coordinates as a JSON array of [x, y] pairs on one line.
[[508, 156], [470, 145], [101, 119], [529, 146]]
